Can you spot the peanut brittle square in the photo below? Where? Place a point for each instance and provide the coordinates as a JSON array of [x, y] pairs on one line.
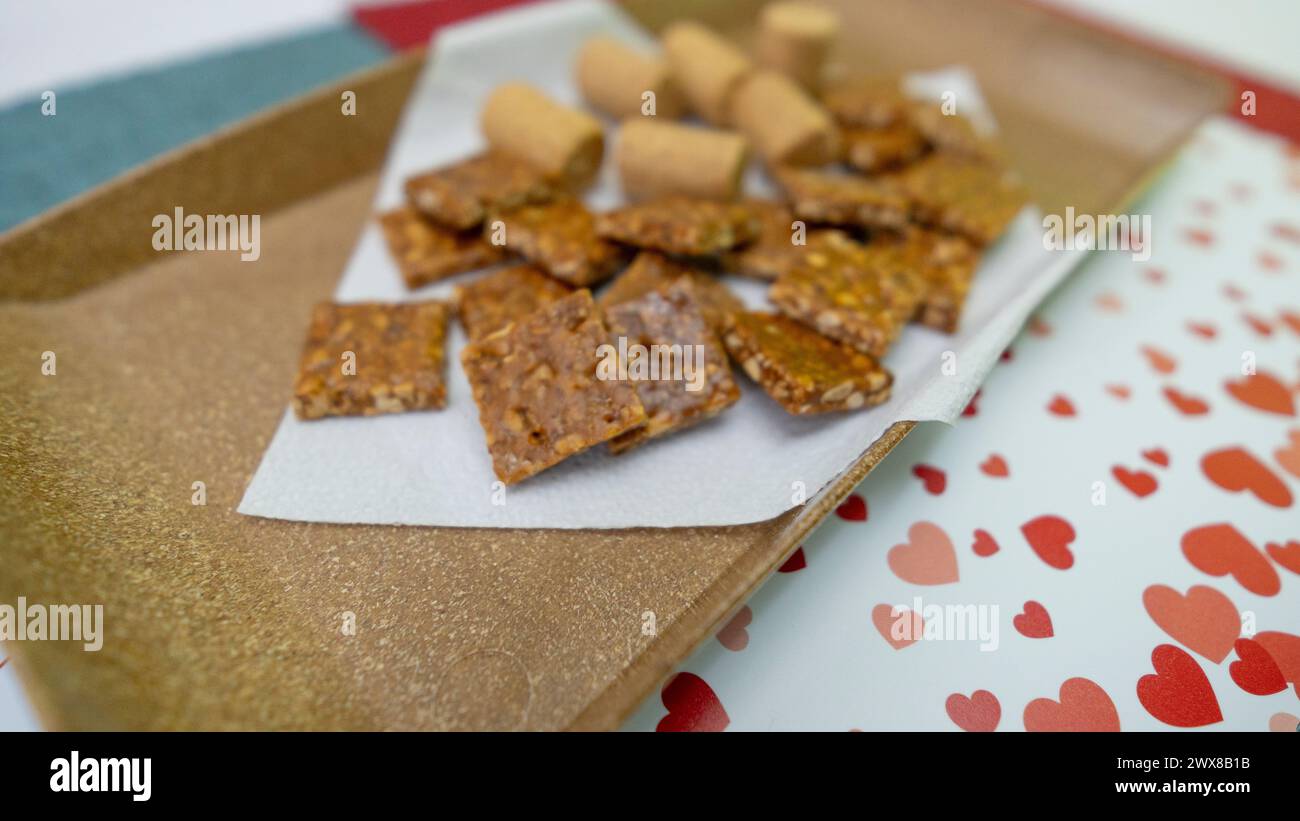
[[968, 197], [861, 295], [491, 302], [460, 195], [369, 358], [872, 150], [680, 225], [427, 252], [772, 250], [951, 133], [843, 199], [867, 102], [802, 370], [559, 237], [540, 395], [946, 263], [652, 271], [680, 370]]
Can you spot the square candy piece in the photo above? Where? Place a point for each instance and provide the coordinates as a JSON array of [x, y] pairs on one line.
[[680, 225], [947, 265], [968, 197], [872, 150], [559, 236], [491, 302], [867, 102], [694, 380], [540, 398], [460, 195], [651, 272], [951, 133], [802, 370], [844, 199], [861, 295], [774, 248], [427, 252], [369, 358]]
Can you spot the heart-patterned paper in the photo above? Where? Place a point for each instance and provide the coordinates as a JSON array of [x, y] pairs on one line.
[[1118, 509]]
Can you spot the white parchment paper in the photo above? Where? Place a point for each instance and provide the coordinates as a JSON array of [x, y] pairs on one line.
[[433, 468]]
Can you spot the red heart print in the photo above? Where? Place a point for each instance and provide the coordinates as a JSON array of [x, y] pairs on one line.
[[1156, 456], [1178, 693], [1038, 326], [1235, 470], [1283, 723], [985, 545], [1256, 672], [1084, 707], [1287, 555], [1061, 406], [1282, 230], [733, 635], [1154, 275], [1050, 537], [1007, 355], [1263, 391], [1284, 648], [1221, 550], [1186, 404], [926, 558], [899, 626], [1199, 237], [692, 707], [1291, 319], [972, 408], [978, 714], [1233, 292], [1205, 330], [1258, 324], [1119, 391], [795, 563], [852, 509], [1034, 622], [1204, 621], [1269, 261], [1288, 456], [1139, 482], [1159, 360], [995, 466], [1109, 302], [934, 479]]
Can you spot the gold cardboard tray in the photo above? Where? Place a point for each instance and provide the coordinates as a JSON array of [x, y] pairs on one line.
[[175, 368]]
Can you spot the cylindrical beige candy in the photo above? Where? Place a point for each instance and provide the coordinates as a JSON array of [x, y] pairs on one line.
[[569, 144], [783, 123], [794, 39], [706, 67], [615, 79], [658, 159]]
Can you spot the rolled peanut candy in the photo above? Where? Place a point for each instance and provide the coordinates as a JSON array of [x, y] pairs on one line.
[[794, 39], [658, 158], [784, 124], [560, 141], [707, 67], [615, 79]]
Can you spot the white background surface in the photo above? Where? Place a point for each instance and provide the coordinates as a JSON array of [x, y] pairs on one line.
[[46, 42]]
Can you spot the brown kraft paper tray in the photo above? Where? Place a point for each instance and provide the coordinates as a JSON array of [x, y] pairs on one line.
[[175, 368]]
